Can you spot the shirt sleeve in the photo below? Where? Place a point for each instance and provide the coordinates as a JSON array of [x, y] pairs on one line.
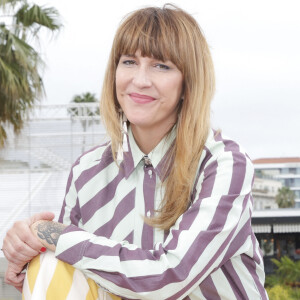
[[70, 211], [215, 228]]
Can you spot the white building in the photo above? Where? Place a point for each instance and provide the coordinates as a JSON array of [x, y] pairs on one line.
[[287, 170], [264, 192]]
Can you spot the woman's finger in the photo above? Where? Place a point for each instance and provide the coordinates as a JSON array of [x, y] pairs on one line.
[[19, 253], [13, 275], [20, 244]]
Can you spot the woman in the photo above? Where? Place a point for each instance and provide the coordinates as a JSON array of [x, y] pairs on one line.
[[163, 211]]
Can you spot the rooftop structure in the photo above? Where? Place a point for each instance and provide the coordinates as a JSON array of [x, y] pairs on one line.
[[277, 160], [286, 170]]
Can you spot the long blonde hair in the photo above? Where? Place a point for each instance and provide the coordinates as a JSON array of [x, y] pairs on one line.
[[167, 33]]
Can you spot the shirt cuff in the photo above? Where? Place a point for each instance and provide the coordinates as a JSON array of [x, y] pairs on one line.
[[71, 244]]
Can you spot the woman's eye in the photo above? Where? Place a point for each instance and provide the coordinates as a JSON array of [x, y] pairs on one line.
[[162, 67], [128, 62]]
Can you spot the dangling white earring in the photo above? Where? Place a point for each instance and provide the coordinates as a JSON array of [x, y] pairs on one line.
[[124, 147], [125, 133]]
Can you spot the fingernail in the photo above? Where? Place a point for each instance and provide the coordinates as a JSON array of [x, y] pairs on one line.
[[43, 249]]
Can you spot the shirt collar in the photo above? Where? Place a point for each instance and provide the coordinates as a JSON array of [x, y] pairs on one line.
[[158, 155]]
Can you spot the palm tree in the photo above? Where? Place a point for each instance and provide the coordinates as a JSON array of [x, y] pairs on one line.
[[285, 197], [287, 270], [286, 279], [21, 85], [85, 113]]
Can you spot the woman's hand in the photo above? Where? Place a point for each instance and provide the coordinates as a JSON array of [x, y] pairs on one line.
[[19, 244], [14, 277], [47, 232]]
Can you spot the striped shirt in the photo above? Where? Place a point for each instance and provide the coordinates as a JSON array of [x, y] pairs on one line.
[[210, 252]]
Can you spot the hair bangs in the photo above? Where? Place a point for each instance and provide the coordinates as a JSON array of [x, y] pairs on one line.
[[152, 33]]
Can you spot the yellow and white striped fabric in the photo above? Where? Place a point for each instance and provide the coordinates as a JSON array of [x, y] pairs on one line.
[[48, 278]]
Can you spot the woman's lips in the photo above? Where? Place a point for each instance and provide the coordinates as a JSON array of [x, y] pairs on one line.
[[138, 98]]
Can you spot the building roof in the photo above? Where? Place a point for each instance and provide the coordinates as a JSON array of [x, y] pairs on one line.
[[282, 220], [279, 212], [276, 216], [276, 160]]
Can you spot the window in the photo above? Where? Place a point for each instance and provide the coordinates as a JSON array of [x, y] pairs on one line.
[[297, 182], [267, 247], [284, 171], [297, 194]]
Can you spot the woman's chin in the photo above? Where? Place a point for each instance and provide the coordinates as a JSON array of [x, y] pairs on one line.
[[139, 122]]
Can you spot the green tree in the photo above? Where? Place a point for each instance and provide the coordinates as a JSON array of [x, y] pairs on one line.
[[21, 84], [285, 197], [84, 113], [286, 280], [287, 270]]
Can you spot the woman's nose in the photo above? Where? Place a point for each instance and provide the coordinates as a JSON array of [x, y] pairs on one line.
[[141, 77]]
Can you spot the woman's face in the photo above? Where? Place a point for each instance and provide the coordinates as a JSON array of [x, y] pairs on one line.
[[148, 91]]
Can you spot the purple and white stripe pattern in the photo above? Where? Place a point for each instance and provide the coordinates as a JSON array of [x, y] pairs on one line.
[[211, 251]]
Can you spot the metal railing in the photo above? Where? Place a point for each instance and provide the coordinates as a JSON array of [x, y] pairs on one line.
[[34, 165]]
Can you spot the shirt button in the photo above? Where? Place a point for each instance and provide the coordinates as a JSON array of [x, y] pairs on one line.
[[150, 173], [148, 213]]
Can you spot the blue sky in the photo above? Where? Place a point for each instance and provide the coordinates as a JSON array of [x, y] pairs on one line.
[[256, 51]]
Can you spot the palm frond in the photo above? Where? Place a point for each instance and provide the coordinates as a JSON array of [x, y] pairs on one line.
[[3, 136], [7, 5], [37, 16], [11, 43], [21, 85], [17, 76], [287, 270]]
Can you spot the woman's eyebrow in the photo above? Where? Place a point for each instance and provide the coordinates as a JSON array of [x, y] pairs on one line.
[[129, 55]]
